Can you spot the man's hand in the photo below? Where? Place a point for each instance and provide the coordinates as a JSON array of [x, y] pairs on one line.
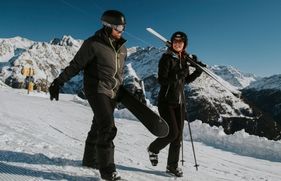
[[54, 90], [140, 96]]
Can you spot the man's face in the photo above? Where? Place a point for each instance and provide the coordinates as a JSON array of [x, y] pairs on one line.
[[117, 31], [116, 34]]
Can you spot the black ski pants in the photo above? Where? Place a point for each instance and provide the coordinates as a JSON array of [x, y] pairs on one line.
[[174, 116], [99, 145]]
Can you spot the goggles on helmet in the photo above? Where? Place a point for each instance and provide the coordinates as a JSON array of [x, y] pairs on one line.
[[119, 28]]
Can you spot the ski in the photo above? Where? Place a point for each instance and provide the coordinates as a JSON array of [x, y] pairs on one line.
[[192, 62]]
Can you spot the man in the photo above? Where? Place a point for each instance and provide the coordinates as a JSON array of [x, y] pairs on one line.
[[173, 74], [101, 57]]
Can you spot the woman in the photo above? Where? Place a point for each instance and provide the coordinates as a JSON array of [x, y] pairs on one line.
[[173, 73]]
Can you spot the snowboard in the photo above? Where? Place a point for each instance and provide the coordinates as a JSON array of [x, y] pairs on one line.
[[150, 119]]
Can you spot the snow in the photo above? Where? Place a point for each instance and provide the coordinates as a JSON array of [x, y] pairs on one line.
[[2, 84], [44, 140]]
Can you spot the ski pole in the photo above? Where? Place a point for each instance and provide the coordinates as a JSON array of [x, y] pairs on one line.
[[182, 158], [191, 140]]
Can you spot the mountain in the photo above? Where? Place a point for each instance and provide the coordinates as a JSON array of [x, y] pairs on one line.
[[232, 75], [266, 94], [207, 100], [11, 47], [47, 59], [45, 141], [272, 83]]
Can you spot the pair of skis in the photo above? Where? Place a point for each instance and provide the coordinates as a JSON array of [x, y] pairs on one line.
[[193, 63]]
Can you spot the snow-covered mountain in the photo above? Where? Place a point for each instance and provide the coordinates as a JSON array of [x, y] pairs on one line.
[[272, 82], [266, 94], [232, 75], [49, 145], [47, 59], [206, 99], [11, 47]]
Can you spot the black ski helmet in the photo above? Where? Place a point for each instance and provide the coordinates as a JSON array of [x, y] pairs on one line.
[[180, 35], [113, 17]]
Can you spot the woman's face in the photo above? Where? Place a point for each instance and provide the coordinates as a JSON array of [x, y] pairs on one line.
[[178, 45]]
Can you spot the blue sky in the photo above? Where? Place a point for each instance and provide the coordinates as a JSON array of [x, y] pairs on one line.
[[243, 33]]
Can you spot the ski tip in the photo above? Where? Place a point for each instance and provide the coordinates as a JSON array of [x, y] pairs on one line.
[[149, 29]]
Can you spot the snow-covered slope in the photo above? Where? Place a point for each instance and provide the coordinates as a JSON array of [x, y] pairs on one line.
[[44, 140], [3, 85]]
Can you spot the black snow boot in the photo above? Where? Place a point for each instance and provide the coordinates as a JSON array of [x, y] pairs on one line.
[[175, 171], [153, 157], [111, 176]]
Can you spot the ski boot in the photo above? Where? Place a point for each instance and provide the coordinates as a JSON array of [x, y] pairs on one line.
[[175, 171], [112, 176], [153, 157]]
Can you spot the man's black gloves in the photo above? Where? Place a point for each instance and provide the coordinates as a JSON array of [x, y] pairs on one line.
[[195, 59], [140, 96], [54, 90]]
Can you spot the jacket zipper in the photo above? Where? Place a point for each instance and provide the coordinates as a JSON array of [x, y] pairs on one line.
[[180, 101], [167, 90], [116, 65]]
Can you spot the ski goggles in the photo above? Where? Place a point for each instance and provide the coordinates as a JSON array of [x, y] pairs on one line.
[[119, 28]]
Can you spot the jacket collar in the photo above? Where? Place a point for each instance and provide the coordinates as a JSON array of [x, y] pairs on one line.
[[102, 37], [176, 55]]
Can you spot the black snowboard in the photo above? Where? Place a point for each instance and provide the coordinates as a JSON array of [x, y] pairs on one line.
[[151, 120]]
